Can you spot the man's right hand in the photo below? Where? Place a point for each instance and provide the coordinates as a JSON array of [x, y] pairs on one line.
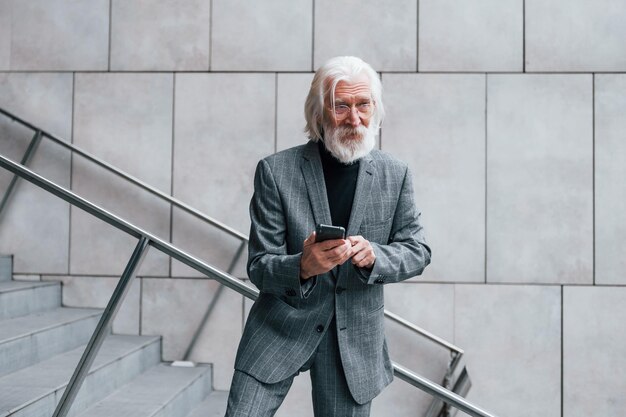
[[321, 257]]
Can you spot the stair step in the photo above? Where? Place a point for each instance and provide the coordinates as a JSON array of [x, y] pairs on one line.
[[35, 391], [6, 267], [19, 298], [213, 406], [27, 340], [162, 391]]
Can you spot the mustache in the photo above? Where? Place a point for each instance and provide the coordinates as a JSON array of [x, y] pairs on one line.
[[352, 131]]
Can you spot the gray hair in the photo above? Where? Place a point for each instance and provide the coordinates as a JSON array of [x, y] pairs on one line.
[[341, 68]]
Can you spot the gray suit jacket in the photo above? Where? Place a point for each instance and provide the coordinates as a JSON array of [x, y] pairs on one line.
[[283, 328]]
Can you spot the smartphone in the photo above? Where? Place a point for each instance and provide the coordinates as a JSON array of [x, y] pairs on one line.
[[326, 232]]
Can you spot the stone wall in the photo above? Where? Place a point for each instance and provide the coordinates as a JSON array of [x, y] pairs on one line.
[[509, 112]]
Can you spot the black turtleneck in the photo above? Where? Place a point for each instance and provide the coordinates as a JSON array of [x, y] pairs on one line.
[[340, 181]]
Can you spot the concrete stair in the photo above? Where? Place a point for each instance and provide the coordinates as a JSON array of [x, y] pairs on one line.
[[6, 267], [162, 391], [41, 342], [27, 340], [213, 406], [18, 298]]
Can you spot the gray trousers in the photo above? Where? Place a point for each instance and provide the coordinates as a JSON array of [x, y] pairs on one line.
[[331, 396]]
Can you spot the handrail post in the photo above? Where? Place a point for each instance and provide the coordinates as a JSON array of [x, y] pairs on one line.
[[98, 336], [211, 306], [30, 151]]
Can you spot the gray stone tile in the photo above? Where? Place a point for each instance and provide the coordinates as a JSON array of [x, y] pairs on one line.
[[135, 106], [610, 166], [130, 127], [292, 91], [35, 225], [575, 35], [224, 124], [60, 35], [512, 341], [539, 199], [6, 268], [436, 123], [382, 33], [417, 303], [471, 35], [164, 35], [174, 308], [593, 351], [95, 292], [5, 34], [272, 35], [43, 99]]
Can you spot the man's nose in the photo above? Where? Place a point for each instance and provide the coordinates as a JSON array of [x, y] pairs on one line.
[[354, 119]]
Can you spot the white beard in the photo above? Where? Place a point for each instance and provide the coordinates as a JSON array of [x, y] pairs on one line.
[[339, 143]]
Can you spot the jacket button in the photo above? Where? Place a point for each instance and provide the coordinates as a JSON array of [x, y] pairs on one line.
[[290, 292], [339, 290], [319, 328], [380, 281]]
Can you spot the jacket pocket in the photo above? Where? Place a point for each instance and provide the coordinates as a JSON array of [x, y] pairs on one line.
[[376, 310]]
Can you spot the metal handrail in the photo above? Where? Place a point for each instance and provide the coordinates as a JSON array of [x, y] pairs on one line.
[[422, 383], [100, 333], [30, 151], [127, 227], [456, 353], [423, 332], [127, 176], [146, 187], [182, 205]]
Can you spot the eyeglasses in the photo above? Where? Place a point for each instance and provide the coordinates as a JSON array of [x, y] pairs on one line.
[[342, 111]]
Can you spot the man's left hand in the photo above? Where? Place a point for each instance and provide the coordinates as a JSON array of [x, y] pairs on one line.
[[364, 256]]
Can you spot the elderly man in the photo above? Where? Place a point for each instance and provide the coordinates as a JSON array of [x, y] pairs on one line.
[[320, 306]]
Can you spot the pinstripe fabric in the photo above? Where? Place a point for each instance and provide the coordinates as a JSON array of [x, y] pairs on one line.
[[282, 329], [331, 395], [251, 398]]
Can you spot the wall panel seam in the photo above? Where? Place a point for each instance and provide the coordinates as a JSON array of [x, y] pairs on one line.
[[70, 208], [486, 169], [417, 38], [593, 176], [523, 35], [110, 33], [276, 113], [172, 166], [312, 35], [210, 34]]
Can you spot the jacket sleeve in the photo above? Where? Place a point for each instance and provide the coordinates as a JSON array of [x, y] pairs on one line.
[[269, 266], [406, 254]]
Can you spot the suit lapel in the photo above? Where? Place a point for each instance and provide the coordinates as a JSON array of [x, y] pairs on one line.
[[315, 185], [361, 194], [313, 174]]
